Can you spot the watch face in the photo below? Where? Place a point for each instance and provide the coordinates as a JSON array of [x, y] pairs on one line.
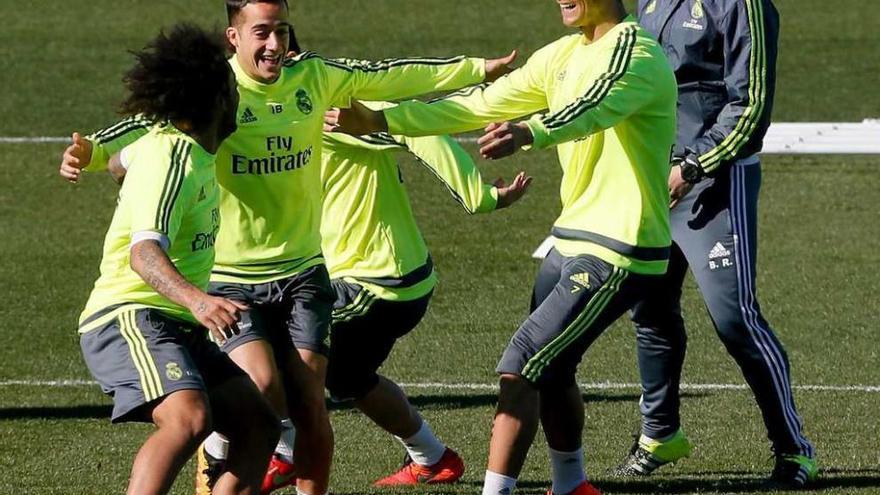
[[690, 172]]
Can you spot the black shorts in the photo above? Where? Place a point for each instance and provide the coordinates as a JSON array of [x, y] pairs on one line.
[[143, 355], [363, 333], [290, 313], [574, 300]]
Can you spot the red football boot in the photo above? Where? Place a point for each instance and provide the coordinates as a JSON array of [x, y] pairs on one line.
[[448, 469], [279, 475]]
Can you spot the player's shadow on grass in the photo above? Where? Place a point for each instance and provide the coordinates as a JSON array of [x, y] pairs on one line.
[[82, 411], [467, 401], [713, 481], [737, 481]]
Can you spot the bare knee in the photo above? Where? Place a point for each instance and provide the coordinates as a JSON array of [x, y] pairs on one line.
[[187, 413]]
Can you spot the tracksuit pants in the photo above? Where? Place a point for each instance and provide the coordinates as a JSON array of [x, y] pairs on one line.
[[714, 229]]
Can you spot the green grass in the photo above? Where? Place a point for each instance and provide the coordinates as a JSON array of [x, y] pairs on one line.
[[817, 268]]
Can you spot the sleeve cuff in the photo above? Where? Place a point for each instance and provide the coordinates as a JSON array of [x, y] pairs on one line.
[[391, 118], [490, 199], [99, 158], [151, 235], [540, 136], [480, 65]]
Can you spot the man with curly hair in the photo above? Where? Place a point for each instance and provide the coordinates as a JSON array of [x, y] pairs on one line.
[[144, 330]]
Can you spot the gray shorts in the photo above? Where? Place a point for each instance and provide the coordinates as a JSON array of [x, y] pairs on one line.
[[291, 313], [365, 329], [143, 355], [574, 300]]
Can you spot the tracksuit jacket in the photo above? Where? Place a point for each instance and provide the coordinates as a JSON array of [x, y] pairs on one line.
[[723, 53]]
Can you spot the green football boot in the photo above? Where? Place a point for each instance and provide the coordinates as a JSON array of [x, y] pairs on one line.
[[648, 454], [793, 472]]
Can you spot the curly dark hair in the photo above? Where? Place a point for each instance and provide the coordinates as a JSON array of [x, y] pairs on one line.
[[233, 7], [181, 75]]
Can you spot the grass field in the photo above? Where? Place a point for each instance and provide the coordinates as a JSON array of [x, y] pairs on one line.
[[817, 271]]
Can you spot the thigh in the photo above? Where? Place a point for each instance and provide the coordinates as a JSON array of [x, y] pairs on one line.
[[254, 323], [139, 358], [360, 342], [547, 278], [661, 307], [589, 296], [721, 248], [308, 304]]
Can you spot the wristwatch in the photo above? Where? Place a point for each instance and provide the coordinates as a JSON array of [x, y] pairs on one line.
[[691, 170]]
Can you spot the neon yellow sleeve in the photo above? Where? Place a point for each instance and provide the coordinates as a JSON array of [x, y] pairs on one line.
[[453, 166], [518, 94], [392, 79], [623, 90], [156, 183], [111, 140]]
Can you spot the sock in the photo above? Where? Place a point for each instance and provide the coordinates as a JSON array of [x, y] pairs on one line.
[[424, 447], [284, 449], [216, 446], [498, 484], [568, 470]]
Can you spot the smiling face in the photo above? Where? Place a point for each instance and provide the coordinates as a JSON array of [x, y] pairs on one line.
[[574, 12], [261, 35]]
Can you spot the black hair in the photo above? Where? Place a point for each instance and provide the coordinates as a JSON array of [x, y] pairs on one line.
[[233, 7], [181, 75]]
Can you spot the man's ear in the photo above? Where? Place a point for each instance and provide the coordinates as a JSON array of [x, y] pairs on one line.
[[232, 36]]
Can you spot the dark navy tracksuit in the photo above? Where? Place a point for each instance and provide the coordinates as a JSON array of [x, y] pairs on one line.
[[724, 56]]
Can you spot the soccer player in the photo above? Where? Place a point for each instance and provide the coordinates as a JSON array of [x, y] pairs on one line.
[[611, 98], [268, 249], [383, 276], [143, 331], [724, 56]]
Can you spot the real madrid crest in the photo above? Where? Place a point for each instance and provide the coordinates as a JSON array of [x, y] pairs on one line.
[[173, 371], [697, 9], [303, 102]]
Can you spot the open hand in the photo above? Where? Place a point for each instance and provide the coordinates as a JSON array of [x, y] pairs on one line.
[[504, 139], [75, 158], [509, 194], [497, 67]]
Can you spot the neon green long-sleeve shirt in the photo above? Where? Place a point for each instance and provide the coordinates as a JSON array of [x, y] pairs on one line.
[[368, 230], [610, 110], [268, 170]]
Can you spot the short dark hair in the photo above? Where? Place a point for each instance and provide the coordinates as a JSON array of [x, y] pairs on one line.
[[233, 7], [181, 75]]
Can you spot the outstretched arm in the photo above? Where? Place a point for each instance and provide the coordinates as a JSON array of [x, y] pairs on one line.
[[453, 166]]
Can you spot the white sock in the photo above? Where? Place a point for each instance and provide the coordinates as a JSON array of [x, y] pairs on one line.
[[284, 449], [216, 445], [424, 447], [568, 470], [498, 484], [300, 492]]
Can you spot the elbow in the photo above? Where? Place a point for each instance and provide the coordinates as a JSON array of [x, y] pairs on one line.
[[136, 261]]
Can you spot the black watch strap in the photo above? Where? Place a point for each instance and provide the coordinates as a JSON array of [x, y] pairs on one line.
[[691, 170]]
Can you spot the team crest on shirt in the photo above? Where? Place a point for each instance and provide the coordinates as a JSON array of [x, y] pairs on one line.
[[303, 102], [697, 10], [173, 371], [697, 14], [651, 7]]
